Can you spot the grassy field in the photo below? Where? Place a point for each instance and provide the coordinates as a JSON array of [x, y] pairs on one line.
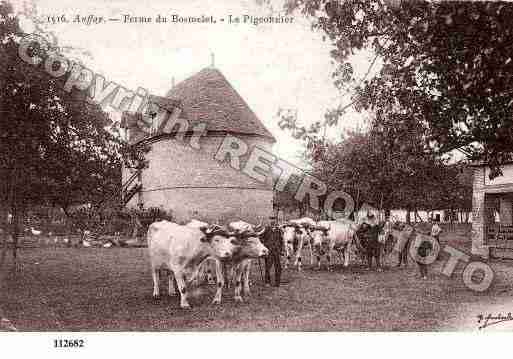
[[110, 289]]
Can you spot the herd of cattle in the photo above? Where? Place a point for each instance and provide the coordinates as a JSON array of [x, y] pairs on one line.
[[189, 251]]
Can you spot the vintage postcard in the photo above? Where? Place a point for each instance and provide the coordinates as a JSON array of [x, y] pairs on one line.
[[255, 166]]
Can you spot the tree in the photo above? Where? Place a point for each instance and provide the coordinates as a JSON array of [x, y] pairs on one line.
[[285, 200], [447, 65], [389, 167], [55, 147]]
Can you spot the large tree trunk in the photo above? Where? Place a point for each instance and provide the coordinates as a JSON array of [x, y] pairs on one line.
[[408, 215]]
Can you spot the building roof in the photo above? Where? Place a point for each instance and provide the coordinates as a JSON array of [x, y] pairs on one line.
[[207, 97]]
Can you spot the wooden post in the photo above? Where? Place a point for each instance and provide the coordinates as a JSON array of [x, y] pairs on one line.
[[355, 215], [380, 207]]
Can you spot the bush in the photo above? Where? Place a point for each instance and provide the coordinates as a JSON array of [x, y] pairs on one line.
[[152, 214], [123, 221]]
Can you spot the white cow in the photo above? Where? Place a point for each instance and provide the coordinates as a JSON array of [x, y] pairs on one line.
[[181, 249], [194, 223], [291, 233], [205, 270], [295, 236], [333, 235]]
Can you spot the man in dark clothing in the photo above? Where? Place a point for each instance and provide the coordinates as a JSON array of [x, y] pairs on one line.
[[371, 243], [423, 251], [403, 233], [273, 240], [369, 234]]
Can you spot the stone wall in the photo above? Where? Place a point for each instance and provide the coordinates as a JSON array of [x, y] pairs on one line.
[[193, 184], [211, 205]]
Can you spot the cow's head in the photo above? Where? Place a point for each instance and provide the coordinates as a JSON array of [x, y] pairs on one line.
[[290, 231], [318, 235], [223, 243], [249, 244]]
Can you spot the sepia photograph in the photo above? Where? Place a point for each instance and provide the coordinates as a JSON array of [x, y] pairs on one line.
[[259, 166]]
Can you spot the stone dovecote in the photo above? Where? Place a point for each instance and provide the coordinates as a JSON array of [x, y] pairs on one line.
[[188, 180]]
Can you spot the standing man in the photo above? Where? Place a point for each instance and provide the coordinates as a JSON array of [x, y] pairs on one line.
[[386, 239], [435, 231], [273, 240], [369, 231]]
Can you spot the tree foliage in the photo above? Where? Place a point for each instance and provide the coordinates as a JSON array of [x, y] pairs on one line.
[[382, 169], [447, 65], [56, 147]]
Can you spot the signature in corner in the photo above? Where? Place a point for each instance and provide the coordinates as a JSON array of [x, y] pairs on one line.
[[490, 319]]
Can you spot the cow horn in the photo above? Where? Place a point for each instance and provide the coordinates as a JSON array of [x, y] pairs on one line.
[[258, 228], [213, 229], [260, 232], [247, 234]]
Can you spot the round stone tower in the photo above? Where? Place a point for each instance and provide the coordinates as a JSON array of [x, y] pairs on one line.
[[197, 161]]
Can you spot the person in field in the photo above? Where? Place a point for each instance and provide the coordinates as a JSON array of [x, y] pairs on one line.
[[273, 240], [436, 230], [423, 251]]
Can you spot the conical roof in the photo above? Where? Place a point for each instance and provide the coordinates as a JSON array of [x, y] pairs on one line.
[[207, 97]]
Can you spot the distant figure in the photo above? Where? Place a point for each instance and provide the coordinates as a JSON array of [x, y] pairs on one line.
[[272, 239], [435, 231], [401, 237], [423, 251], [386, 239]]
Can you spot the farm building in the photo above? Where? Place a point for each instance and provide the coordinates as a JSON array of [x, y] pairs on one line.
[[184, 175], [492, 212]]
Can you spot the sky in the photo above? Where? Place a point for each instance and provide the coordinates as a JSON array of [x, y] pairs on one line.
[[272, 66]]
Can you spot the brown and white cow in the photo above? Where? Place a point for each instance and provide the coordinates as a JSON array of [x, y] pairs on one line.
[[329, 236], [182, 249], [295, 237]]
